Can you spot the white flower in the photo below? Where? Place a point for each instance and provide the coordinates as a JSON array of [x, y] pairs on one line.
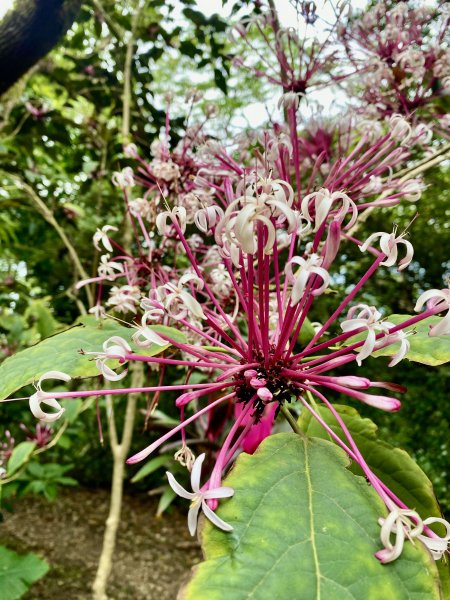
[[323, 203], [177, 301], [115, 348], [368, 318], [109, 268], [208, 217], [144, 336], [436, 545], [412, 190], [440, 299], [41, 397], [388, 245], [98, 311], [101, 236], [398, 336], [131, 151], [177, 214], [401, 130], [123, 179], [166, 170], [124, 298], [141, 207], [264, 202], [404, 523], [198, 498], [308, 267]]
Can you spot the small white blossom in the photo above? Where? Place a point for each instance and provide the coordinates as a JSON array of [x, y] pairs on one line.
[[131, 151], [141, 207], [41, 397], [198, 498], [367, 317], [114, 348], [388, 245], [177, 214], [98, 311], [404, 523], [264, 202], [101, 236], [123, 179], [124, 298], [441, 299], [144, 336], [165, 170], [412, 190], [323, 203], [289, 100], [208, 217], [310, 266], [401, 130], [109, 268], [177, 301]]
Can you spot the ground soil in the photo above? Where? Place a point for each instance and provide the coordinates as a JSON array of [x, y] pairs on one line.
[[153, 556]]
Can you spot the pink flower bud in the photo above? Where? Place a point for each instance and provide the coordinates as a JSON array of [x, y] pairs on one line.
[[264, 394]]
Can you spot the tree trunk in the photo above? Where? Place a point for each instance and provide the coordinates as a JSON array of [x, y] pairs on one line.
[[28, 32]]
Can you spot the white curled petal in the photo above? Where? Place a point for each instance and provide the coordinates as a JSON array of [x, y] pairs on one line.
[[353, 324], [367, 348], [193, 517], [39, 398], [215, 520], [196, 472], [53, 375], [222, 492], [107, 372], [369, 240], [324, 275], [403, 351], [408, 257], [145, 337], [436, 545], [118, 342], [442, 328], [179, 489], [323, 207], [423, 298], [305, 206], [299, 287], [193, 305], [161, 223]]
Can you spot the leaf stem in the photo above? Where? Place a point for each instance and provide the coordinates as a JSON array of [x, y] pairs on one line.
[[292, 422]]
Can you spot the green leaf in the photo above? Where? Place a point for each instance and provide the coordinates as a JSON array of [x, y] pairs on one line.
[[304, 527], [424, 349], [17, 572], [167, 497], [392, 465], [19, 456], [61, 352], [151, 466]]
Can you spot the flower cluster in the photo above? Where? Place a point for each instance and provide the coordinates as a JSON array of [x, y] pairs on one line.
[[237, 257]]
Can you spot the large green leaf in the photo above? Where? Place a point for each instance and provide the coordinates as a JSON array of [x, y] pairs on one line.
[[392, 465], [17, 573], [424, 349], [304, 527], [61, 352]]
